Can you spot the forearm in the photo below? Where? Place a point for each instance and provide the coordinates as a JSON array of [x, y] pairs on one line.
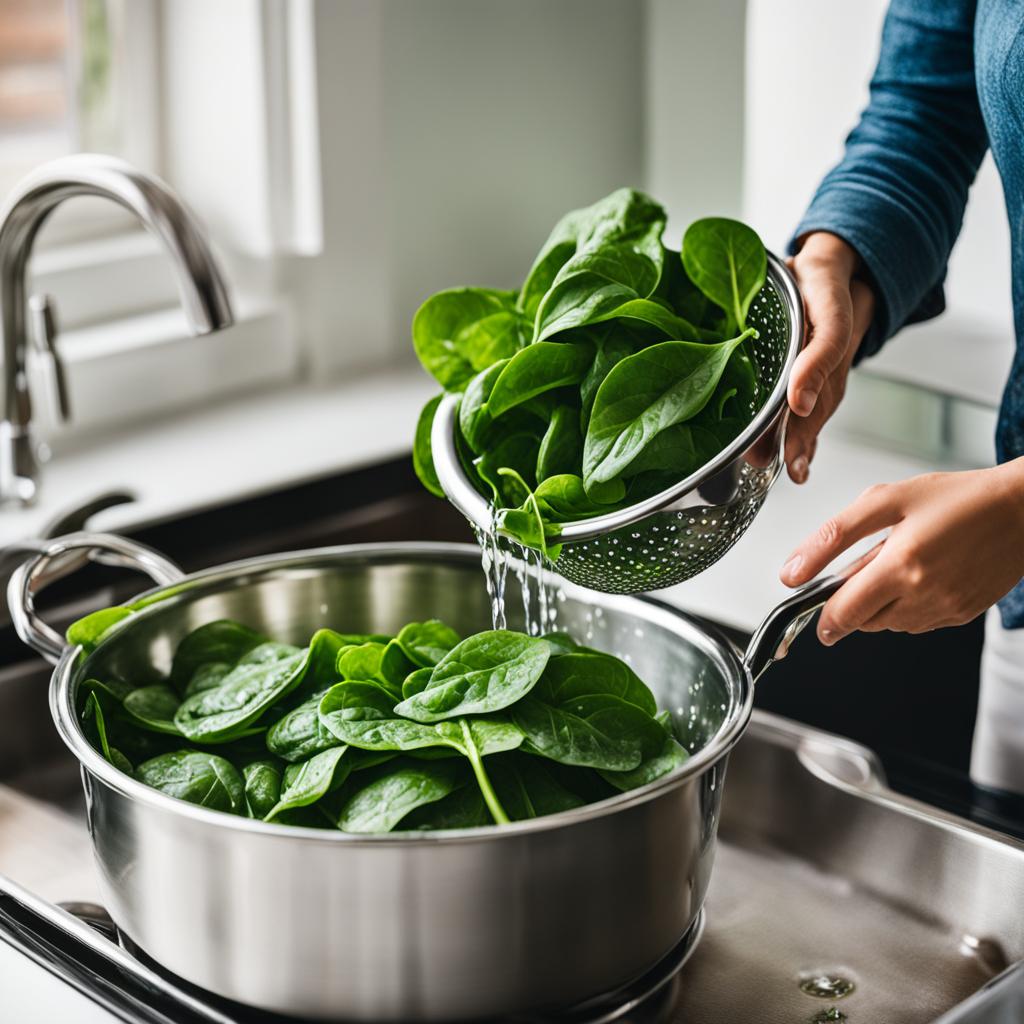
[[898, 195]]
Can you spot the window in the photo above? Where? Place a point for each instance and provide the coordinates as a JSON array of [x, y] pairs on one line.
[[76, 75]]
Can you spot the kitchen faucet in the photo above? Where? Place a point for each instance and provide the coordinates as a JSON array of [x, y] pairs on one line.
[[200, 284]]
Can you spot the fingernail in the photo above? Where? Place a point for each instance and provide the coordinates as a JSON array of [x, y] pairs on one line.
[[827, 637], [800, 468], [805, 401], [792, 567]]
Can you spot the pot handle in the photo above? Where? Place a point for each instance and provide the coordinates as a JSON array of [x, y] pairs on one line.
[[781, 626], [61, 556]]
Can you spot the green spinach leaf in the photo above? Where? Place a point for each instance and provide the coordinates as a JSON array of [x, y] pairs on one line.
[[645, 394], [484, 673], [198, 777]]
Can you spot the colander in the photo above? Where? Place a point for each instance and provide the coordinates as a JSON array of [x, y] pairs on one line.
[[678, 533]]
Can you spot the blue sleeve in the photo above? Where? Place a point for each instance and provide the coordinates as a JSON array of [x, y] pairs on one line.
[[898, 195]]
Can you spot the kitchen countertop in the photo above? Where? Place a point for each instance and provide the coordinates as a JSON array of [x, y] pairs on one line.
[[270, 441]]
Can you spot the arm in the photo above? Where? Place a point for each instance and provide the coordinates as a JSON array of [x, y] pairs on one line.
[[871, 251]]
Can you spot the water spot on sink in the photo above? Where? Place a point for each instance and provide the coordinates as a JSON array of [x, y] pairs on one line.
[[825, 985]]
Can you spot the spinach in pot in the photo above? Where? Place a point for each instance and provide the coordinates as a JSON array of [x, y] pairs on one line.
[[620, 367], [379, 733]]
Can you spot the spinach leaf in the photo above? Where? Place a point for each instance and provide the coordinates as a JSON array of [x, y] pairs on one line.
[[484, 673], [671, 756], [595, 286], [726, 260], [262, 787], [538, 368], [516, 453], [645, 394], [221, 641], [565, 498], [621, 216], [527, 789], [592, 731], [305, 783], [299, 735], [154, 707], [441, 320], [88, 631], [381, 804], [475, 418], [360, 662], [363, 715], [423, 451], [586, 673], [207, 677], [561, 449], [198, 777], [94, 712], [426, 643], [495, 337], [416, 681], [464, 808], [257, 682], [395, 666]]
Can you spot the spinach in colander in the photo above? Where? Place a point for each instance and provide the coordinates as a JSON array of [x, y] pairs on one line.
[[618, 369], [375, 733]]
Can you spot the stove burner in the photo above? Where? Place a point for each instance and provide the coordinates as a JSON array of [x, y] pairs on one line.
[[647, 1000]]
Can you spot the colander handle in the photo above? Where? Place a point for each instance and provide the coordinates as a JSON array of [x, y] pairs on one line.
[[54, 559], [781, 626]]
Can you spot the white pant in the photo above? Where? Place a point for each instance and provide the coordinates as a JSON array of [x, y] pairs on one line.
[[997, 757]]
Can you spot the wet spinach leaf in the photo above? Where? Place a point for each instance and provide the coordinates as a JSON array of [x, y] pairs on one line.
[[484, 673], [382, 803], [426, 643], [262, 787], [423, 449], [645, 394], [196, 776], [154, 707], [222, 641]]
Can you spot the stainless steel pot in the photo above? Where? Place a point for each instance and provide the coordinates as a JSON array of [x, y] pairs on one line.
[[456, 925]]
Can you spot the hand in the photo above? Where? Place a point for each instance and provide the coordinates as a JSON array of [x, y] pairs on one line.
[[956, 547], [839, 309]]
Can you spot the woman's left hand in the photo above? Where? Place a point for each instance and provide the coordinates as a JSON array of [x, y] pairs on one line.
[[955, 548]]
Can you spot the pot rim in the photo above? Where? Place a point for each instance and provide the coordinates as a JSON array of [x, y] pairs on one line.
[[714, 643]]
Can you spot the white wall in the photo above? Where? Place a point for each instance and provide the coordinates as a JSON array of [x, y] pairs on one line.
[[694, 81], [453, 134]]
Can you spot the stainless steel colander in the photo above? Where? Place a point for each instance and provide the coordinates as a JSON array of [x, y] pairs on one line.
[[678, 533]]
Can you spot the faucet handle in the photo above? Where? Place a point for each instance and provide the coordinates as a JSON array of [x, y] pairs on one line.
[[44, 333]]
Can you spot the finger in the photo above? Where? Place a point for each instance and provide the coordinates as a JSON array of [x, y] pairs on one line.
[[877, 508], [863, 596], [802, 437], [859, 563], [830, 313]]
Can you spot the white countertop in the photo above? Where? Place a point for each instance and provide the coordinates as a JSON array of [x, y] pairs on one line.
[[214, 455]]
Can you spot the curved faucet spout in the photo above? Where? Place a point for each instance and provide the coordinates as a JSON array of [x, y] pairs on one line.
[[203, 294]]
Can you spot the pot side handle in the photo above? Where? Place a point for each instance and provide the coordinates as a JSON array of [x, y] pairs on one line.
[[61, 556], [781, 626]]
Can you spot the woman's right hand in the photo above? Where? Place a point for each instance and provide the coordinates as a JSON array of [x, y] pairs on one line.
[[839, 309]]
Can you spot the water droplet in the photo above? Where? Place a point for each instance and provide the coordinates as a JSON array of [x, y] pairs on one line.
[[828, 1015], [826, 985]]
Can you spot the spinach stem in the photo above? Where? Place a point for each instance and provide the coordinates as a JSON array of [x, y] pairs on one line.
[[486, 789]]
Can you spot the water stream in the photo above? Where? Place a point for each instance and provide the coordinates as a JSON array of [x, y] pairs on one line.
[[540, 607]]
